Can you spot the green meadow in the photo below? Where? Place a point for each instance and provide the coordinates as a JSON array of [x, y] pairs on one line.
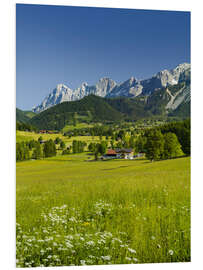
[[71, 210], [23, 136], [77, 126]]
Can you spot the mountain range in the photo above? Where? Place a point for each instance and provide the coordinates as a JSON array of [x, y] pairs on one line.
[[95, 109], [131, 88], [166, 94]]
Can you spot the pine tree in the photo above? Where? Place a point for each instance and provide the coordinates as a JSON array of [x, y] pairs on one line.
[[57, 140], [132, 142], [75, 146], [37, 152], [75, 119], [96, 155], [62, 144], [140, 144], [49, 149], [40, 139]]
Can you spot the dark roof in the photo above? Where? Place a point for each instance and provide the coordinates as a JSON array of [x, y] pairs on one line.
[[124, 150]]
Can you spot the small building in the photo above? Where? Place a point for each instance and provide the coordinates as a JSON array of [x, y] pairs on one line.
[[111, 153], [126, 153], [42, 131]]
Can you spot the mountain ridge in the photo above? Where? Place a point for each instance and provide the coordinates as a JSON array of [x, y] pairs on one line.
[[107, 87], [89, 108], [23, 116], [170, 101]]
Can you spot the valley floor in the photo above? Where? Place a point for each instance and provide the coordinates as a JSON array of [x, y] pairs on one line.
[[72, 211]]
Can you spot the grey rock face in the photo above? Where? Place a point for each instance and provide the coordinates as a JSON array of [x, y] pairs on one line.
[[60, 94], [183, 95], [106, 87], [129, 88], [164, 78], [63, 93]]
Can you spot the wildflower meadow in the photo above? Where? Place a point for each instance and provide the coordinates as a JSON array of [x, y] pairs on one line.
[[74, 212]]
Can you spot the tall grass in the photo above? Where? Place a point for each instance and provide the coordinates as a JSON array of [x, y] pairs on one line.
[[74, 212]]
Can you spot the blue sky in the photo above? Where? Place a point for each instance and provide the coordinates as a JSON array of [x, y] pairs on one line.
[[71, 45]]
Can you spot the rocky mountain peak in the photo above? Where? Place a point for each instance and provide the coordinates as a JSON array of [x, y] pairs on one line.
[[107, 87]]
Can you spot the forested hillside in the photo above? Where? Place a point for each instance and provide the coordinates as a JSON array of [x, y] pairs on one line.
[[90, 108], [21, 116]]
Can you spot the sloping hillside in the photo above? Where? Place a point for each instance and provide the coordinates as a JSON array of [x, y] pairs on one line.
[[21, 116], [90, 108], [167, 101]]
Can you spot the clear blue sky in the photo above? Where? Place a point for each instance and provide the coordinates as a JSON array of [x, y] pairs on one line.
[[71, 45]]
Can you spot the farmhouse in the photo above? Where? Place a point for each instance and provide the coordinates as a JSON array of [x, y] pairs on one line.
[[42, 131], [111, 153], [126, 153]]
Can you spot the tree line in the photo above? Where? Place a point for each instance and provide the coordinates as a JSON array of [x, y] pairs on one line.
[[162, 142], [162, 146], [33, 150], [96, 130], [25, 127], [98, 148], [37, 149], [166, 141]]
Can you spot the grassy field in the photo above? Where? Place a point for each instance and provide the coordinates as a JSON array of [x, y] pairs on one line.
[[71, 211], [78, 126], [27, 136]]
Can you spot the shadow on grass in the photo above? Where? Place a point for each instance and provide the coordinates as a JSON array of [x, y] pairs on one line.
[[60, 160], [114, 168], [160, 160]]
